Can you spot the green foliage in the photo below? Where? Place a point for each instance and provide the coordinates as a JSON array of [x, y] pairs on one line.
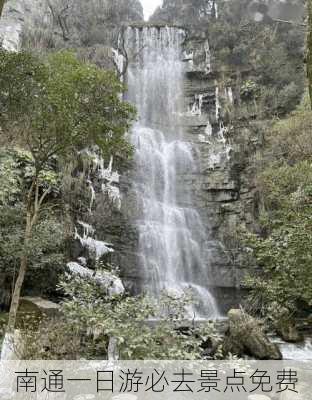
[[284, 252], [269, 53], [9, 179], [45, 252], [290, 139], [92, 318], [285, 259], [17, 170], [249, 90], [126, 319], [286, 188], [262, 56], [185, 13], [61, 105]]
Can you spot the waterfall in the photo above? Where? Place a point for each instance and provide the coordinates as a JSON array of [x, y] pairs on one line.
[[171, 234]]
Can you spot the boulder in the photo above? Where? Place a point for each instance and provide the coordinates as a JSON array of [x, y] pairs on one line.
[[288, 331], [245, 336], [38, 305], [106, 280]]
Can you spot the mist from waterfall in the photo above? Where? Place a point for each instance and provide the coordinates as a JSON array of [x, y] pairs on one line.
[[171, 234]]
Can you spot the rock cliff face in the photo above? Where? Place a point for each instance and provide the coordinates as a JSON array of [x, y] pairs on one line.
[[64, 23], [16, 13], [223, 184], [228, 149]]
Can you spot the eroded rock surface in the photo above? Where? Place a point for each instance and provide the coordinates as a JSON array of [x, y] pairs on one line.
[[246, 336]]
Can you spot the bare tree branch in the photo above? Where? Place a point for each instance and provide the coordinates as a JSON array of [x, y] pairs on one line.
[[289, 22]]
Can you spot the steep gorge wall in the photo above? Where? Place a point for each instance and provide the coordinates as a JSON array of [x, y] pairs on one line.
[[223, 184], [228, 137], [58, 24], [226, 130]]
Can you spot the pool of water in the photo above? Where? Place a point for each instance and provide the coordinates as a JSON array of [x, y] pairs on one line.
[[295, 351]]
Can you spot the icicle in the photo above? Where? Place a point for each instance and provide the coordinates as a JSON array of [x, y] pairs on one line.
[[208, 58], [197, 105], [214, 160], [108, 174], [228, 151], [97, 247], [189, 58], [221, 133], [216, 10], [87, 229], [218, 106], [225, 152], [112, 284], [108, 178], [92, 198], [203, 139], [208, 134], [230, 95], [113, 193], [208, 130], [119, 62]]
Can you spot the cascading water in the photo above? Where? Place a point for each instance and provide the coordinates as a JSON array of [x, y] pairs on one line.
[[171, 234]]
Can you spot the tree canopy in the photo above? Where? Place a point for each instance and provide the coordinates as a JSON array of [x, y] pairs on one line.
[[283, 252], [60, 105]]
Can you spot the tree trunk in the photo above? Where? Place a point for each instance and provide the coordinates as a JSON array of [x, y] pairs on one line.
[[309, 49], [20, 278], [1, 6], [32, 210]]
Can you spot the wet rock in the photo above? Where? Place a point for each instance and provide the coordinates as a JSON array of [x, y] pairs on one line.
[[288, 331], [246, 336]]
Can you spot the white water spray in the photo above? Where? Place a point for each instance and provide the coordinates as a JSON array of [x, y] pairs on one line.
[[171, 235]]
